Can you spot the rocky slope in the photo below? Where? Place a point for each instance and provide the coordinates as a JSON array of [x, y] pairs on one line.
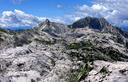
[[89, 50]]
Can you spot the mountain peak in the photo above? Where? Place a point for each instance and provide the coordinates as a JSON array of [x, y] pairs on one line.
[[47, 21], [91, 22], [52, 50]]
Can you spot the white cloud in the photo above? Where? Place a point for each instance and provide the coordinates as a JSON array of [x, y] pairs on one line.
[[19, 18], [115, 11]]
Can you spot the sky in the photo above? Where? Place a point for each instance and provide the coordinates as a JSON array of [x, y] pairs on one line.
[[29, 13]]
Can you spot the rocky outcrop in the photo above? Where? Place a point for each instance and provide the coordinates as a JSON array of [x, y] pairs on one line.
[[90, 22], [98, 24], [108, 72], [54, 52], [54, 29]]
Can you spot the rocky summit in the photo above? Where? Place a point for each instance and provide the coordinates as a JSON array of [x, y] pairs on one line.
[[89, 50]]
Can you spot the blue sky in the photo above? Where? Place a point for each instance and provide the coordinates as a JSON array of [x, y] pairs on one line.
[[43, 7], [29, 13]]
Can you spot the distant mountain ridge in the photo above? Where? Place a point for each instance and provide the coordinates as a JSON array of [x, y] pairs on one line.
[[99, 24], [89, 50], [77, 29]]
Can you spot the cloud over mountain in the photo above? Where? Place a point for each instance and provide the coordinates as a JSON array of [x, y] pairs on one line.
[[115, 11], [18, 18]]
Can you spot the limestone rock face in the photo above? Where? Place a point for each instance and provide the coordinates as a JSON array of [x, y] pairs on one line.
[[93, 23], [52, 52]]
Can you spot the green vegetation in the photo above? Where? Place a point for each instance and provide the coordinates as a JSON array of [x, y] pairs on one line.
[[21, 41], [44, 41], [87, 52], [104, 70], [80, 45], [113, 54], [2, 30], [74, 46], [83, 72]]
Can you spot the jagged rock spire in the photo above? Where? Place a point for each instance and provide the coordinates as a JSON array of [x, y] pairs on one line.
[[47, 22]]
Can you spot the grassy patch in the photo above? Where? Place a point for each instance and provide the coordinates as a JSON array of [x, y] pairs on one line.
[[114, 54], [80, 45], [2, 30], [21, 41], [83, 72], [44, 41]]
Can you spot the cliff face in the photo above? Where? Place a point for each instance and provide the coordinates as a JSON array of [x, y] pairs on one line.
[[92, 50], [93, 23]]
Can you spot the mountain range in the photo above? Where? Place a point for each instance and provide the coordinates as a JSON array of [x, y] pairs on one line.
[[89, 50]]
